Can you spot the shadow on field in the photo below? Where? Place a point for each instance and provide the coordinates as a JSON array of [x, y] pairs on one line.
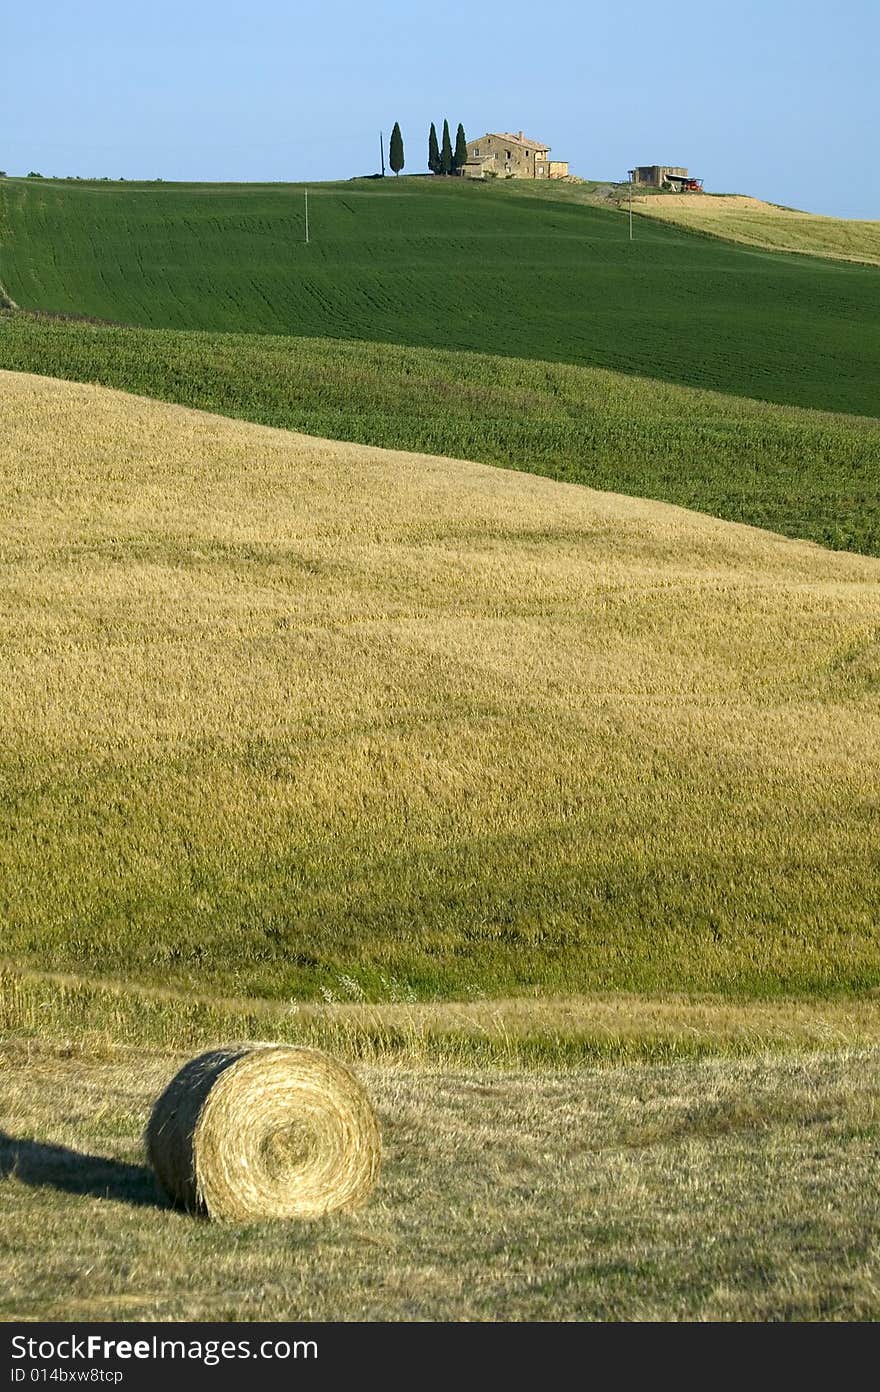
[[57, 1167]]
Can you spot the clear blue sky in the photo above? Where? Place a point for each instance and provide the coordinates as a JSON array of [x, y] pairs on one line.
[[778, 98]]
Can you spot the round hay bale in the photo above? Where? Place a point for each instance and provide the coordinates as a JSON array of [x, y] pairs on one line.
[[264, 1131]]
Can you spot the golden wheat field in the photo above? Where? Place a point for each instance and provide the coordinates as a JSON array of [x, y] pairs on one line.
[[740, 218], [288, 718]]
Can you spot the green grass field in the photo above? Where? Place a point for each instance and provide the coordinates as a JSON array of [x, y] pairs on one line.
[[804, 473], [448, 264]]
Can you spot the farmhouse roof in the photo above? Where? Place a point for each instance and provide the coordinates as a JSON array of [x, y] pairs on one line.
[[519, 139]]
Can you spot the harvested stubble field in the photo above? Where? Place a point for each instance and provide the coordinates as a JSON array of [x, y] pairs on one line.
[[455, 265], [700, 1190], [753, 222], [282, 717], [805, 473]]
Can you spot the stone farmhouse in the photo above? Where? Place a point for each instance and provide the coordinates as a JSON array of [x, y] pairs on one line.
[[512, 157], [669, 176]]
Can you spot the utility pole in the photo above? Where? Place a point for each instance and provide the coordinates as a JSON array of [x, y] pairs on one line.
[[306, 192], [382, 152], [631, 172]]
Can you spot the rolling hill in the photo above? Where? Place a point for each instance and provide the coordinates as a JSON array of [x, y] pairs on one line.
[[756, 223], [449, 264], [282, 716], [805, 473]]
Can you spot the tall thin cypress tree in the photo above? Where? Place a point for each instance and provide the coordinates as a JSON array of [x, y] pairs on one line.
[[433, 151], [395, 149], [446, 151], [459, 159]]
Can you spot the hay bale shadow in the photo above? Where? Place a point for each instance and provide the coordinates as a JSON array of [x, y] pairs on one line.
[[46, 1166]]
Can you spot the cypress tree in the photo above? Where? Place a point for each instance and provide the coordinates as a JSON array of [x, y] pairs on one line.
[[433, 151], [395, 149], [446, 151], [459, 159]]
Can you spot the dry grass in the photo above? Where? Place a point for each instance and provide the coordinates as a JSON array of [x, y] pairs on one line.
[[525, 1031], [280, 717], [738, 218], [710, 1190]]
